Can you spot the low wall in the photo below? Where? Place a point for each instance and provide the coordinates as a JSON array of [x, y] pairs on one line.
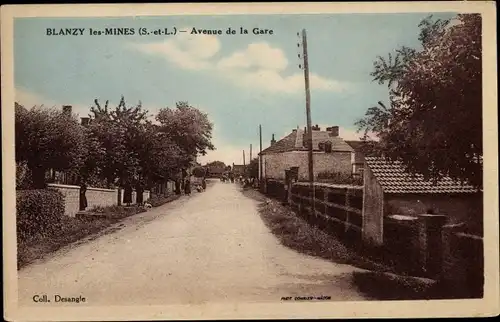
[[337, 208], [275, 189], [463, 262], [95, 197], [431, 246], [402, 244]]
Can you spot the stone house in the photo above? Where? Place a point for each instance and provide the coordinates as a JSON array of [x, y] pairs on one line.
[[390, 191], [330, 154], [358, 158], [215, 171], [238, 169]]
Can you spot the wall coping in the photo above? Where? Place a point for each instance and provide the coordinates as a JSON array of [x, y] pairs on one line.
[[57, 185], [330, 185], [470, 236]]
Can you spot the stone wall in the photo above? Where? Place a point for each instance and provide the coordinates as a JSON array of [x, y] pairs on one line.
[[463, 262], [71, 198], [275, 164], [373, 210], [95, 197], [467, 208], [337, 208]]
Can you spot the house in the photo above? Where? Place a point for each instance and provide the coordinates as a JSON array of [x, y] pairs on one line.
[[358, 157], [389, 190], [215, 171], [238, 170], [330, 154]]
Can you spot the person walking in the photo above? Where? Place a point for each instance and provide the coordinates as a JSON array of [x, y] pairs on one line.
[[83, 197], [187, 186]]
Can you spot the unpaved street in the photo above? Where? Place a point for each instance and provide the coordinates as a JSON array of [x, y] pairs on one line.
[[208, 247]]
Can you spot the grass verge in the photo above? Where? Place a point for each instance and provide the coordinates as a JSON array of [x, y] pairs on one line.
[[296, 233], [378, 281], [157, 201]]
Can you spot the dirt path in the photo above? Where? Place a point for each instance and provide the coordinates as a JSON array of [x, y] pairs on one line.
[[211, 246]]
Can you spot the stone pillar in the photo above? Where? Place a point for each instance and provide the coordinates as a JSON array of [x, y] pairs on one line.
[[431, 246]]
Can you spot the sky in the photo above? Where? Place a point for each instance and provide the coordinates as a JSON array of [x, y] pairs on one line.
[[239, 80]]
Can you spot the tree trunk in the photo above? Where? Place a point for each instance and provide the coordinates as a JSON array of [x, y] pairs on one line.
[[38, 177]]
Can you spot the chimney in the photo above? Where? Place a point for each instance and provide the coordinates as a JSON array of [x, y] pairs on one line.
[[67, 109], [85, 121], [273, 140], [334, 130]]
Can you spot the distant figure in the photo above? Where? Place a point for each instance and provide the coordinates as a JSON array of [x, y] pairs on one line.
[[177, 187], [204, 184], [187, 187], [127, 194], [83, 198], [139, 189]]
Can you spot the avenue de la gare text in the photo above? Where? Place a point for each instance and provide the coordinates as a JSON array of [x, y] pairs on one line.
[[156, 31]]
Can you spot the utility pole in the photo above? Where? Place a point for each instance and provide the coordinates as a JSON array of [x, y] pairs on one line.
[[250, 160], [260, 155], [308, 115], [244, 158]]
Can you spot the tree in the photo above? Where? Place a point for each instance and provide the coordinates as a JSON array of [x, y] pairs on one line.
[[120, 135], [217, 164], [253, 168], [199, 172], [189, 128], [47, 138], [159, 156], [433, 123]]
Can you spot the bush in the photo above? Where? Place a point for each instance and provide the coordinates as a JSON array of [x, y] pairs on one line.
[[23, 176], [339, 178], [39, 212]]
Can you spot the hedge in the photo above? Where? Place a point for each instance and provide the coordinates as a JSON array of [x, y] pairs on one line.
[[39, 212], [339, 178]]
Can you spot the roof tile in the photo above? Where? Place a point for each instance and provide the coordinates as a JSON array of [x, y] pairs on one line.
[[394, 179], [295, 142]]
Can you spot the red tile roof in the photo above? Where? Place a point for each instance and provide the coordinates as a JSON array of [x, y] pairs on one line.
[[295, 142], [394, 179], [284, 145]]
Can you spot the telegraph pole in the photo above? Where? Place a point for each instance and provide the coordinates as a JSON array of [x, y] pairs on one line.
[[250, 160], [244, 158], [308, 115], [260, 154]]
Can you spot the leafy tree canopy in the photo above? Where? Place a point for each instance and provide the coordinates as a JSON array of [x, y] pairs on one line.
[[188, 127], [433, 122], [47, 138], [217, 164], [120, 132]]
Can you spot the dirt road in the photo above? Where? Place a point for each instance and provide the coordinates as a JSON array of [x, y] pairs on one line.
[[209, 247]]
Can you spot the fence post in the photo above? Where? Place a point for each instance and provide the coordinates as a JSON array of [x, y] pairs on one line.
[[431, 244], [347, 221]]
